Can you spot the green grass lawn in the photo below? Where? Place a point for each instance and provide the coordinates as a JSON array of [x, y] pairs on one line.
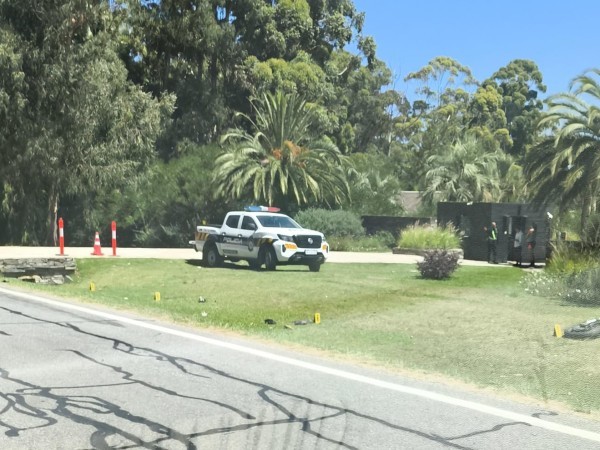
[[479, 327]]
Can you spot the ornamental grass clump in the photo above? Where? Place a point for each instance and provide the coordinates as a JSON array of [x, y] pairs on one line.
[[566, 260], [574, 275], [438, 264], [429, 237]]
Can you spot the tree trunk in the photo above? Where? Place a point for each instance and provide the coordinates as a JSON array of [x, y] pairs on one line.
[[586, 209], [52, 217]]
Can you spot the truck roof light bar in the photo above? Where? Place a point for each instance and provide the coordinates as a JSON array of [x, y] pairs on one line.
[[261, 208]]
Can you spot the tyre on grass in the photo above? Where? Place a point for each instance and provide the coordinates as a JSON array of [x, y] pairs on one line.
[[210, 256], [586, 330], [267, 257], [254, 264], [314, 266]]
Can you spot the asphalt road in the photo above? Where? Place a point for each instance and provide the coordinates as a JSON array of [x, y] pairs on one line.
[[73, 377]]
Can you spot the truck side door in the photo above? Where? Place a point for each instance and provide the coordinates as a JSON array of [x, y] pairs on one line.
[[248, 227], [231, 242]]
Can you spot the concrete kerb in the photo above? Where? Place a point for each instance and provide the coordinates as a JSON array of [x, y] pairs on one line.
[[189, 253]]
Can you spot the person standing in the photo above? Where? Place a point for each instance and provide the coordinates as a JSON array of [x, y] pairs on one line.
[[518, 247], [531, 238], [492, 241]]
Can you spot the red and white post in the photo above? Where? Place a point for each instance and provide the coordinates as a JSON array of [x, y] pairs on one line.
[[61, 236], [113, 227]]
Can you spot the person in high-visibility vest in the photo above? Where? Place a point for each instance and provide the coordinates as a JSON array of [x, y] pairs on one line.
[[492, 240]]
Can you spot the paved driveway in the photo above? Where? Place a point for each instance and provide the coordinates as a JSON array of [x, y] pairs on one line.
[[189, 253]]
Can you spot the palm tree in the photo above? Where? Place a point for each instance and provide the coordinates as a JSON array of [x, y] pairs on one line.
[[464, 172], [564, 166], [512, 180], [281, 162]]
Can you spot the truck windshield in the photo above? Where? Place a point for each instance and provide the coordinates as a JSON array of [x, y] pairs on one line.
[[277, 222]]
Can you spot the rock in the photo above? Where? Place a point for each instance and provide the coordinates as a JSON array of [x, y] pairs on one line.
[[57, 279], [45, 269], [54, 279], [31, 278]]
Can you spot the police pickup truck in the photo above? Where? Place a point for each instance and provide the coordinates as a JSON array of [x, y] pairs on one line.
[[263, 237]]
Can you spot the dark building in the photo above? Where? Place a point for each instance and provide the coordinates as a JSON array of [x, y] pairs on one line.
[[471, 218]]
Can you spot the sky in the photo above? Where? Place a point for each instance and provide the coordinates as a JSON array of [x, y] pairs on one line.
[[561, 37]]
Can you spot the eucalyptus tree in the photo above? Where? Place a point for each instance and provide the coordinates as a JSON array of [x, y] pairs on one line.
[[370, 110], [463, 172], [439, 114], [520, 84], [83, 125], [564, 166], [185, 48], [269, 29], [349, 95], [12, 106], [214, 54], [281, 162], [487, 119], [443, 82]]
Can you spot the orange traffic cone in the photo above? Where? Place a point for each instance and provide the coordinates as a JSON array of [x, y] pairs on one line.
[[97, 248]]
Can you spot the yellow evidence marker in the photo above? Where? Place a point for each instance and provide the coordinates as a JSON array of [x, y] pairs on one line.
[[558, 331]]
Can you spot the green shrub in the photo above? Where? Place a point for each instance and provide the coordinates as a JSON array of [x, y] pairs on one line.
[[332, 223], [344, 231], [380, 242], [584, 287], [572, 274], [429, 237], [163, 207], [385, 238], [438, 264]]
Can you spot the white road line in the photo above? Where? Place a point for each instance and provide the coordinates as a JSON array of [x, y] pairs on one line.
[[480, 407]]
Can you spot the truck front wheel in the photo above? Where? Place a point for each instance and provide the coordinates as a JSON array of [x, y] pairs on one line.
[[314, 266], [268, 258], [211, 257]]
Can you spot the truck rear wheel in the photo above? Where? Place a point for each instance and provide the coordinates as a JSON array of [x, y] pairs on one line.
[[268, 258], [210, 256]]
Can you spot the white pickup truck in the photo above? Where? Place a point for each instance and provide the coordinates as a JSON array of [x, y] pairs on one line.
[[262, 237]]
